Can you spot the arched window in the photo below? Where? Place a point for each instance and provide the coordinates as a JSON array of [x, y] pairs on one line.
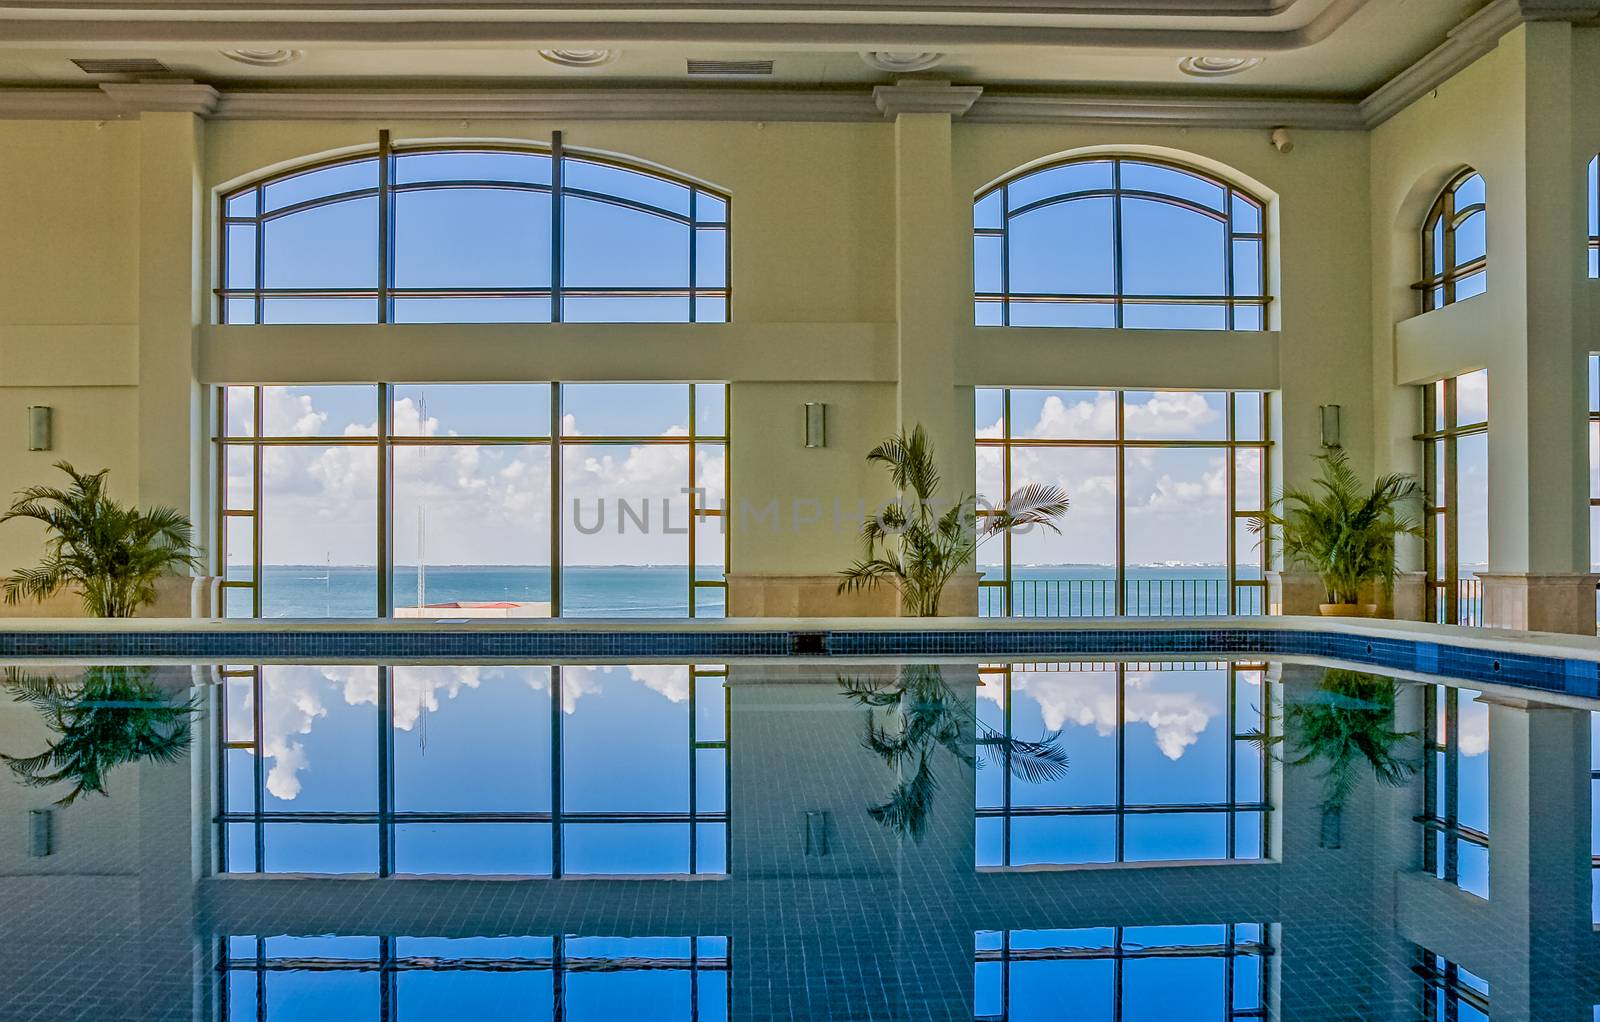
[[1455, 246], [474, 234], [1119, 242]]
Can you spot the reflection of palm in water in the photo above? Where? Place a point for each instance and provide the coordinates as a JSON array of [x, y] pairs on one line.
[[1348, 722], [105, 718], [912, 716]]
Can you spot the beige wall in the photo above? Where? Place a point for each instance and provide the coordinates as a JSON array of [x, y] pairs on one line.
[[821, 312], [1522, 116]]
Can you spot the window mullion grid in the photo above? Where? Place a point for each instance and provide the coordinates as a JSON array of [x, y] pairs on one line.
[[694, 305], [557, 471], [1452, 785], [385, 771], [1120, 784], [694, 753], [261, 256], [1452, 534], [1121, 569], [1230, 472], [692, 494], [1008, 676]]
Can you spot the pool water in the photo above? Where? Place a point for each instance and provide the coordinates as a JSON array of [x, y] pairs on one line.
[[807, 838]]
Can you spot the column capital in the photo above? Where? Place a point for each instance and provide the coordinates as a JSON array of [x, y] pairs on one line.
[[924, 96], [166, 97]]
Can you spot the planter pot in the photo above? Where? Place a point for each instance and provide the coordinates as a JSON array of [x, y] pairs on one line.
[[1348, 609]]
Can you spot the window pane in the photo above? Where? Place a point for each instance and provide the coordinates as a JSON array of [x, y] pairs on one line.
[[1247, 268], [1070, 572], [1063, 248], [1470, 192], [1152, 177], [471, 409], [1472, 502], [625, 409], [1175, 415], [1081, 706], [472, 310], [1145, 316], [1168, 250], [1170, 836], [240, 256], [320, 848], [1064, 314], [477, 521], [319, 738], [1471, 241], [611, 246], [626, 521], [626, 184], [987, 211], [1083, 176], [319, 540], [1246, 215], [472, 237], [325, 246], [314, 184], [624, 849], [1064, 414], [241, 417], [986, 255], [616, 309], [1063, 840], [318, 310], [242, 204], [521, 168], [472, 849], [1472, 398], [711, 258], [471, 739], [332, 411], [711, 409], [1177, 741]]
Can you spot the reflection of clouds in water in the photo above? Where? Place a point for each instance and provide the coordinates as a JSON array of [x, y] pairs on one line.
[[296, 696], [1087, 700]]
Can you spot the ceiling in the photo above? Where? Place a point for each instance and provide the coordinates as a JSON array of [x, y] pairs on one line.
[[1313, 48]]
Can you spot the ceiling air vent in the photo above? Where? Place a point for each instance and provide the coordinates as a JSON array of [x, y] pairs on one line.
[[120, 66], [734, 68]]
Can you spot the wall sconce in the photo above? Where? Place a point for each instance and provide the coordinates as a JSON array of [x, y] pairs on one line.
[[816, 424], [1330, 425], [38, 833], [38, 427]]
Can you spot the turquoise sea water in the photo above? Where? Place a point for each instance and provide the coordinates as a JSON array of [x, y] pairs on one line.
[[663, 591]]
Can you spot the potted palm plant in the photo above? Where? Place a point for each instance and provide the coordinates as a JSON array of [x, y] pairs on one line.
[[112, 555], [1345, 532], [916, 548]]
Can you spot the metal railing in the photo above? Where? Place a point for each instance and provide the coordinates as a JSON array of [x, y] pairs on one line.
[[1097, 597], [1469, 603]]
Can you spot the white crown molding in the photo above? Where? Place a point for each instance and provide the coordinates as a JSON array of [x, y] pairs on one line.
[[175, 97], [1467, 42], [1097, 8], [925, 97], [515, 25], [690, 104], [58, 105], [1165, 111]]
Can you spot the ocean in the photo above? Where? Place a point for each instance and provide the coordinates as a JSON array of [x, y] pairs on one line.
[[314, 591]]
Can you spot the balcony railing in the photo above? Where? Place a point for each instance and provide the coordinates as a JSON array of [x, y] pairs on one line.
[[1469, 603], [1097, 597]]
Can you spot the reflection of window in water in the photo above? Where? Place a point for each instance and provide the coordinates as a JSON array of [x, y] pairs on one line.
[[1164, 763], [1455, 774], [385, 978], [1450, 992], [479, 773], [1124, 972], [1594, 819]]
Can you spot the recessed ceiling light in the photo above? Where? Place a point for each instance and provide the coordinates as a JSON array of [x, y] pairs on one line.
[[579, 58], [1216, 67], [901, 61], [264, 58]]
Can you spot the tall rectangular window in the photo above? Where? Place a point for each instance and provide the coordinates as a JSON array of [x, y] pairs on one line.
[[1450, 993], [1166, 763], [1455, 782], [1162, 485], [1455, 472], [430, 500]]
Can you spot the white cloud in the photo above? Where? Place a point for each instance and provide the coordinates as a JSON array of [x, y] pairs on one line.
[[1177, 718]]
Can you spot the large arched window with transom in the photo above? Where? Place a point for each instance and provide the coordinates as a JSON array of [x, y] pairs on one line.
[[1111, 241], [460, 234], [1455, 244]]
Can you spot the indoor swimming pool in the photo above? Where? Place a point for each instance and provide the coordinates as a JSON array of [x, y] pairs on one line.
[[1225, 836]]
